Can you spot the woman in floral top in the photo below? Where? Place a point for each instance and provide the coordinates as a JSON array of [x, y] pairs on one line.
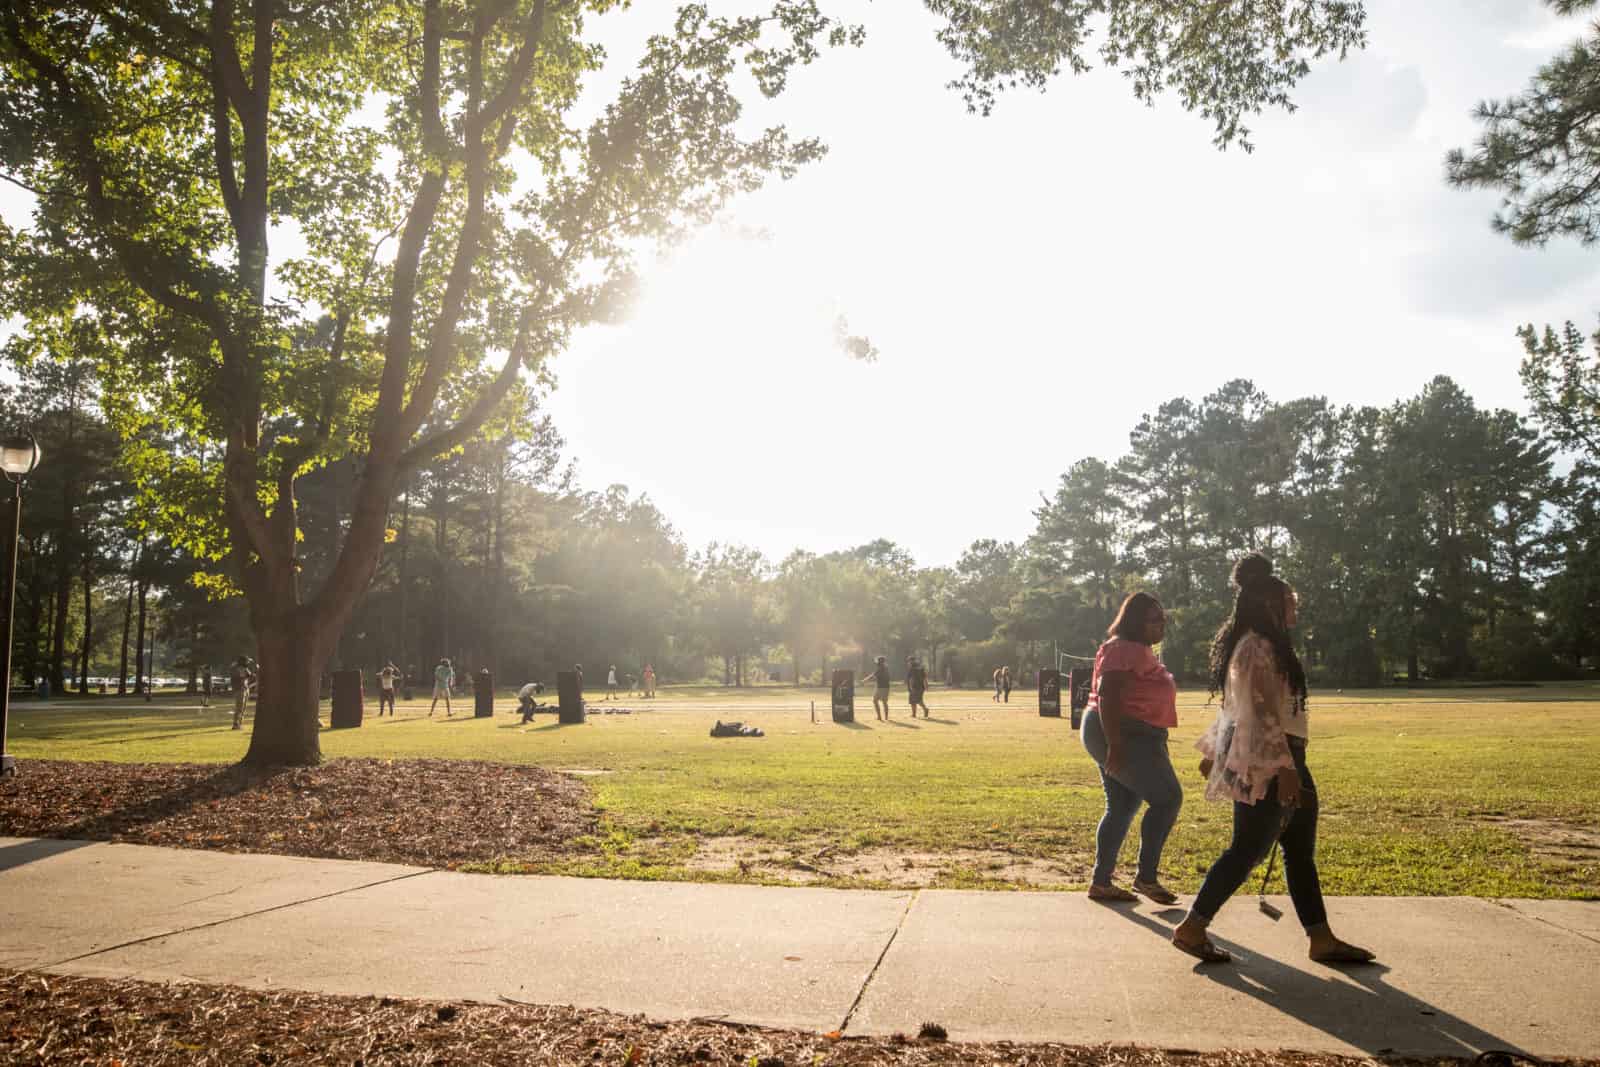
[[1255, 756]]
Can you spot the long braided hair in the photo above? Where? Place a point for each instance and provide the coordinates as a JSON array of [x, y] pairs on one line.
[[1258, 606]]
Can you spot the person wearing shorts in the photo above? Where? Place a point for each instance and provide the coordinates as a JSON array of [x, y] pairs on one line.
[[387, 679], [444, 676], [611, 682], [916, 686], [880, 692]]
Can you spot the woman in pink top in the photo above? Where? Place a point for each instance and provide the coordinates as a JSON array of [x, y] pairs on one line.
[[1133, 702]]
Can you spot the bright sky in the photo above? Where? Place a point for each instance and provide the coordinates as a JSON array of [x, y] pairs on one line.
[[1037, 280]]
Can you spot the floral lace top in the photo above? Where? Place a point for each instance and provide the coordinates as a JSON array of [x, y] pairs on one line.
[[1248, 742]]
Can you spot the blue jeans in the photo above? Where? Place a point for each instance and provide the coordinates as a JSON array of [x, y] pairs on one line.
[[1147, 777], [1255, 827]]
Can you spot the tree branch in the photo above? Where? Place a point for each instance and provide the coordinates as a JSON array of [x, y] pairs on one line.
[[442, 341], [475, 416]]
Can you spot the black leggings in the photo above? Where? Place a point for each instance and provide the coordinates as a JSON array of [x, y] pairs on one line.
[[1253, 828]]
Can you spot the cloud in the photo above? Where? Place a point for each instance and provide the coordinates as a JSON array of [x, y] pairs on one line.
[[1364, 102]]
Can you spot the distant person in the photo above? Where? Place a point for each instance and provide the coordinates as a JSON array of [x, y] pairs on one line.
[[1133, 702], [444, 676], [880, 691], [917, 686], [205, 686], [388, 679], [611, 681], [1005, 683], [44, 689], [649, 680], [997, 672], [526, 700], [949, 676], [240, 679], [1255, 755]]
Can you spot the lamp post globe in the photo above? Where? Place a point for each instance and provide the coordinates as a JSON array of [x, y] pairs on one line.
[[19, 457]]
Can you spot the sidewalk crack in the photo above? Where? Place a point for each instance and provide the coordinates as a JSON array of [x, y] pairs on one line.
[[862, 992], [232, 918]]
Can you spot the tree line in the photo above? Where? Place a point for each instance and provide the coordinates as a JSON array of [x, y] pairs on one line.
[[1431, 539]]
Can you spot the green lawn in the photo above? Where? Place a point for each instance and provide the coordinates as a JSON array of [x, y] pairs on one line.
[[1483, 792]]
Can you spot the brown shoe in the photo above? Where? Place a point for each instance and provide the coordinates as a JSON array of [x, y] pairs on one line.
[[1157, 892], [1110, 894]]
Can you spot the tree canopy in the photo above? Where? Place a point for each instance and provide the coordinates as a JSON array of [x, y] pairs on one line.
[[457, 224]]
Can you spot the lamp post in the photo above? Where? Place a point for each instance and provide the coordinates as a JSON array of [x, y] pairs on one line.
[[19, 455]]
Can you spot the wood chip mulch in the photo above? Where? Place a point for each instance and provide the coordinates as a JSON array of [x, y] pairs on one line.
[[426, 812], [53, 1019]]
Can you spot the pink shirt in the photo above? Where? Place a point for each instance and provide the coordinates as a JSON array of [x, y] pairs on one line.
[[1152, 696]]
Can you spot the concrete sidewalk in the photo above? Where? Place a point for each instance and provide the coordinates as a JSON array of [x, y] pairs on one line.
[[1459, 975]]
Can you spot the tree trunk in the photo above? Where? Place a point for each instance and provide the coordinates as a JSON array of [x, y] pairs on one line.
[[141, 684], [796, 659], [58, 641], [738, 667], [290, 660], [30, 651], [127, 624], [727, 670], [441, 598], [492, 630], [406, 658], [64, 548], [88, 629], [194, 644]]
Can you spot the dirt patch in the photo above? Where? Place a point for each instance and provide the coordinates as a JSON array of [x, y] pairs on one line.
[[53, 1019], [898, 867], [434, 813], [1550, 839]]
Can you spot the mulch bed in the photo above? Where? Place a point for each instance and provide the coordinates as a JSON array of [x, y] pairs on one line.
[[51, 1019], [427, 812]]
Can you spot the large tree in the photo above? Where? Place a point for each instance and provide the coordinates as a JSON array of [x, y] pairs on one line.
[[456, 228]]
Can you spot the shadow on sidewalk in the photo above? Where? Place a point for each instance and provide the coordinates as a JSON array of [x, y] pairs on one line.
[[1370, 1014], [25, 852]]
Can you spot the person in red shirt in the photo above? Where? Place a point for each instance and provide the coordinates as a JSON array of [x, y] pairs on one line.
[[1133, 702]]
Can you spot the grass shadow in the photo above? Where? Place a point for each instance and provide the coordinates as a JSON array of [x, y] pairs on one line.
[[853, 725], [904, 725]]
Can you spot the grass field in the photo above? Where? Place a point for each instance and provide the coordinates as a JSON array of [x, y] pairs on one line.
[[1480, 792]]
